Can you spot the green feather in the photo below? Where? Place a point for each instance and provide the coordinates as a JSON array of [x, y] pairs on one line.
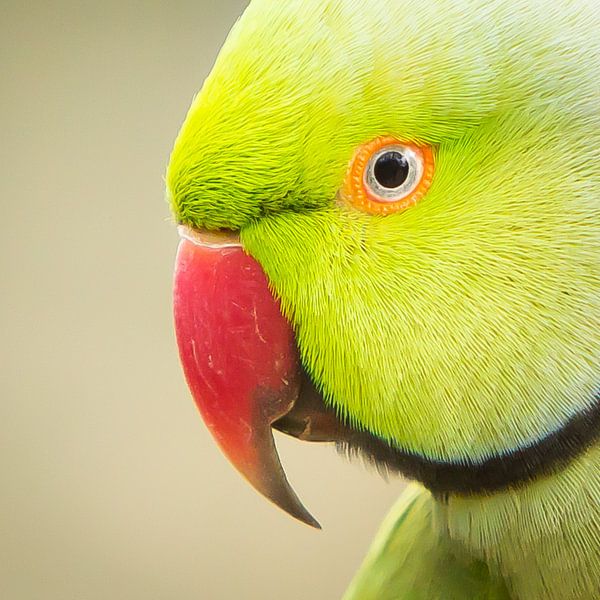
[[465, 327], [449, 372], [413, 558]]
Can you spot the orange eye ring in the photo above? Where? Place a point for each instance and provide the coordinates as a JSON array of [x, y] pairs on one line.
[[362, 189]]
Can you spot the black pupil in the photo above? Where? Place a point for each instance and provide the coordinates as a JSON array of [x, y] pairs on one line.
[[391, 169]]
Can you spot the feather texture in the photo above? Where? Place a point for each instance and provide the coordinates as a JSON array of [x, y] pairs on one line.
[[464, 328]]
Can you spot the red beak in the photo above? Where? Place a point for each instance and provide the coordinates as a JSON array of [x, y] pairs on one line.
[[239, 356]]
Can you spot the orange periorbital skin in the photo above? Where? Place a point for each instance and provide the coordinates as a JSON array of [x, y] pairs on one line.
[[356, 193]]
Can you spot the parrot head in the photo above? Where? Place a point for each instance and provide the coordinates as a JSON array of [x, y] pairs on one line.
[[390, 238]]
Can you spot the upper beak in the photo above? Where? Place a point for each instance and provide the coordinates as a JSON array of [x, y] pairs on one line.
[[241, 362]]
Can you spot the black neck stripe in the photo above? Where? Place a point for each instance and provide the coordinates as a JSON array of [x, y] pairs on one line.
[[514, 468]]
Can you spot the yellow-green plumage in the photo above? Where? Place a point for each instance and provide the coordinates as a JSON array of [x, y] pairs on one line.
[[541, 541], [415, 558], [464, 328]]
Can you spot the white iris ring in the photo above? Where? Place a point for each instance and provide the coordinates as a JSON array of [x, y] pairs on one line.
[[415, 173]]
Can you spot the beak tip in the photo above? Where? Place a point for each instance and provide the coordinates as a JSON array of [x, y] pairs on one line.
[[280, 493], [305, 517]]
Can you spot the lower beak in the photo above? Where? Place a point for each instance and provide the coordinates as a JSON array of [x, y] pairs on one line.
[[241, 363]]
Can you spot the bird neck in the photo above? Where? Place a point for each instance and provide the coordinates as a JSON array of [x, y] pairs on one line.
[[551, 524]]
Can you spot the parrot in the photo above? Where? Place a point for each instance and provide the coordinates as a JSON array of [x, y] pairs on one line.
[[389, 219]]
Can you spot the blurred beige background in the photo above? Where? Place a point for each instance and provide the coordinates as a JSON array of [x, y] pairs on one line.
[[110, 486]]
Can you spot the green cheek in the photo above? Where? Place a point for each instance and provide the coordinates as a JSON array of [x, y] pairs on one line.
[[427, 328]]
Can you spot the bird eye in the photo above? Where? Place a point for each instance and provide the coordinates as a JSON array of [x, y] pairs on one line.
[[387, 175]]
